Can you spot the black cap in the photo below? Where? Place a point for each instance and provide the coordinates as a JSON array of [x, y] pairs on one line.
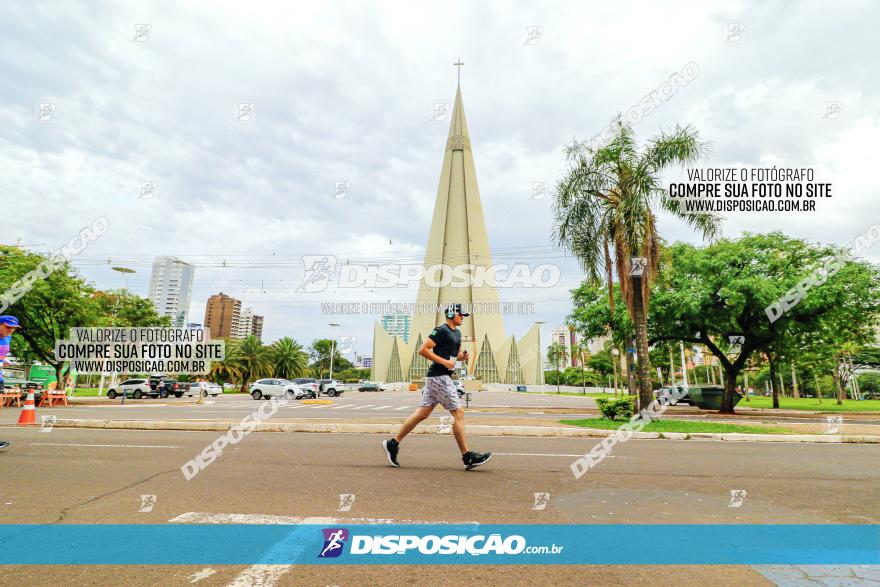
[[457, 309]]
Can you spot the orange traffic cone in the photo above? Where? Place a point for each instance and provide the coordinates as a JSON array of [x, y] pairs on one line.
[[28, 412]]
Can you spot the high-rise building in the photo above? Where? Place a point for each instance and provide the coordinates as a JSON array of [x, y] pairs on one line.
[[249, 324], [222, 315], [397, 325], [171, 288], [245, 323], [567, 338], [257, 327]]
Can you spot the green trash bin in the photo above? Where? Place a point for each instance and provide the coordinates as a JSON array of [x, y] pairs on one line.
[[708, 397]]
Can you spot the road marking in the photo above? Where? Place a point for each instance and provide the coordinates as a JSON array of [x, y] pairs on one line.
[[342, 406], [383, 407], [268, 575], [363, 406], [102, 445], [203, 574], [400, 408]]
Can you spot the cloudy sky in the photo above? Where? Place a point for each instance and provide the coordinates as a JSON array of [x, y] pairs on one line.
[[343, 92]]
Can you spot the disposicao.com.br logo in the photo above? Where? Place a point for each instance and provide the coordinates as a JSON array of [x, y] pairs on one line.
[[452, 544]]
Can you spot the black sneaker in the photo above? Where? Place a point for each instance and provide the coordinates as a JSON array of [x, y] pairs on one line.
[[475, 459], [391, 447], [3, 444]]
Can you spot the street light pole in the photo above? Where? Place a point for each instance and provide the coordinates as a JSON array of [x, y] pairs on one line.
[[333, 326], [538, 323]]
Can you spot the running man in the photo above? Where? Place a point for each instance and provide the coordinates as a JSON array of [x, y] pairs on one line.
[[442, 348], [8, 324]]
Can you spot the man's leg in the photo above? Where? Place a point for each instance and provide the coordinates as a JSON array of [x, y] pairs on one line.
[[392, 445], [458, 429], [418, 416]]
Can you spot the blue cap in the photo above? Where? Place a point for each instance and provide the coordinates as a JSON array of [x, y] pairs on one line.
[[10, 321]]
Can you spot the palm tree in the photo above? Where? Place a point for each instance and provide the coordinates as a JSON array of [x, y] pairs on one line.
[[606, 200], [581, 351], [288, 358], [252, 360], [556, 354], [223, 371]]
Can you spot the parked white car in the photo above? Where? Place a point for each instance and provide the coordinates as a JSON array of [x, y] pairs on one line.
[[210, 388], [266, 388], [136, 388]]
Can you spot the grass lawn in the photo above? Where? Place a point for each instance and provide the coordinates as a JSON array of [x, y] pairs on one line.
[[679, 426], [812, 404], [576, 394], [88, 392]]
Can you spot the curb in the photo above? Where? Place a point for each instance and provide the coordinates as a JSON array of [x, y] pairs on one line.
[[478, 430]]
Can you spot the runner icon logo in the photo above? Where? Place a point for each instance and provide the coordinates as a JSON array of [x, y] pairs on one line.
[[334, 541]]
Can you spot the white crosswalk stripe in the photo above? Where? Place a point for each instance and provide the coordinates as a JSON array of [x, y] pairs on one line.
[[383, 407], [340, 407], [400, 408], [363, 406]]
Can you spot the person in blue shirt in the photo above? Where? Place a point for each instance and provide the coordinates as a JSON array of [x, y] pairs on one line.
[[8, 324]]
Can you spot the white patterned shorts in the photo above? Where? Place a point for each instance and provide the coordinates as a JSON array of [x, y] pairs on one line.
[[440, 390]]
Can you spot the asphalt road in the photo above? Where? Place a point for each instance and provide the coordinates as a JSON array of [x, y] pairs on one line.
[[70, 476], [543, 409]]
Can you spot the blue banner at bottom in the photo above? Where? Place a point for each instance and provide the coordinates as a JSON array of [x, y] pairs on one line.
[[356, 544]]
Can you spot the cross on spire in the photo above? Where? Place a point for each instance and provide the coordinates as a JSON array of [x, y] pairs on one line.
[[458, 64]]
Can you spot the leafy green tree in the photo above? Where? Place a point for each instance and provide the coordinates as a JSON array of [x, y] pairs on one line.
[[288, 358], [607, 200], [319, 353], [50, 306], [709, 294], [123, 308], [601, 362]]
